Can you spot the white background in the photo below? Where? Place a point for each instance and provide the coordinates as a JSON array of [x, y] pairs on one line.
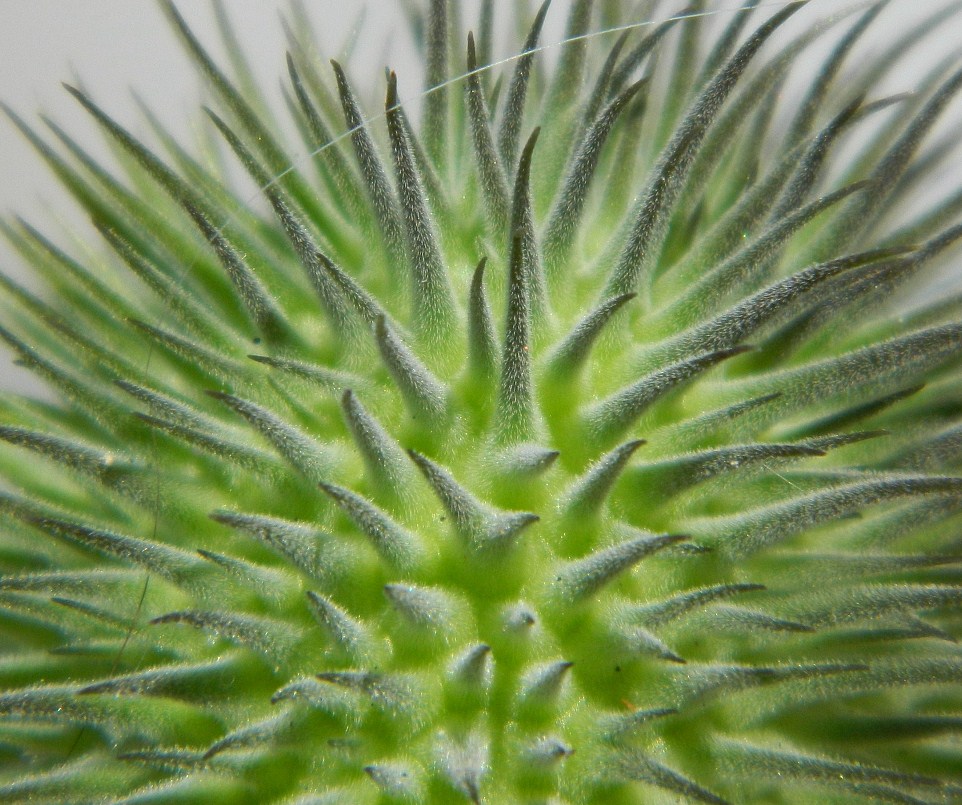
[[114, 46]]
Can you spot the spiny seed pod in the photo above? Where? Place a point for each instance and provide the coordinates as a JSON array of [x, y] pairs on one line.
[[575, 441]]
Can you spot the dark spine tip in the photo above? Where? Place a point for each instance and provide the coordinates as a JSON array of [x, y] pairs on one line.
[[529, 146], [329, 489], [100, 687], [634, 88], [216, 118], [391, 102], [855, 187], [422, 461], [472, 53], [731, 352], [80, 96]]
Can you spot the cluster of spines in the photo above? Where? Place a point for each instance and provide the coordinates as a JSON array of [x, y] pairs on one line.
[[528, 651]]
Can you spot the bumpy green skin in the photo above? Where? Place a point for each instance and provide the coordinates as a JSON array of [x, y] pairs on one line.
[[416, 549]]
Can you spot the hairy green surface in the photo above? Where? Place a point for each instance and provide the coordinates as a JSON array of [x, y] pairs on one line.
[[575, 445]]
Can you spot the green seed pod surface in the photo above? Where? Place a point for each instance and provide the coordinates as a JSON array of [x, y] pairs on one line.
[[575, 434]]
